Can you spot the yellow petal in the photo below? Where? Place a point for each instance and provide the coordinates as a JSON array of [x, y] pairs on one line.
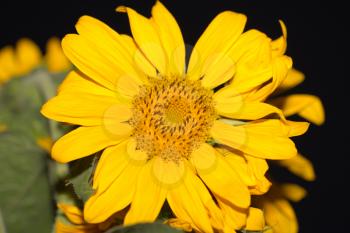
[[293, 192], [56, 61], [253, 56], [111, 164], [219, 175], [239, 165], [300, 166], [263, 139], [294, 78], [73, 213], [149, 197], [147, 39], [259, 168], [139, 58], [235, 218], [255, 220], [101, 67], [115, 48], [28, 56], [76, 82], [237, 108], [171, 37], [210, 51], [85, 141], [117, 196], [280, 68], [186, 203], [219, 69], [279, 46], [85, 109], [307, 106]]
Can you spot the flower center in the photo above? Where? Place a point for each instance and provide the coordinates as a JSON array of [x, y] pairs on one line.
[[172, 117]]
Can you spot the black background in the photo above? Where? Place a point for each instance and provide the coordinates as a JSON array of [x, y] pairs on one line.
[[317, 36]]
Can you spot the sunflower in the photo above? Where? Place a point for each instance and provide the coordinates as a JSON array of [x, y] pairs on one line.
[[26, 57], [170, 131]]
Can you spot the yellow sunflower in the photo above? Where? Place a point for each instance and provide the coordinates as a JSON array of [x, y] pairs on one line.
[[163, 125], [26, 57]]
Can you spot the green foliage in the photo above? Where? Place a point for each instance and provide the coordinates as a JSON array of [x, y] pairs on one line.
[[25, 194], [144, 228], [80, 176]]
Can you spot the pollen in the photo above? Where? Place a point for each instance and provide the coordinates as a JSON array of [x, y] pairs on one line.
[[172, 117]]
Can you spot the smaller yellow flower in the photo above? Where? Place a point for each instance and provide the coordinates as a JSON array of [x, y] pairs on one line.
[[7, 63], [55, 59], [27, 56], [3, 128], [75, 221]]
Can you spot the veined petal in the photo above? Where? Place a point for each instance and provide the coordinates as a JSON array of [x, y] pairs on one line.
[[76, 82], [239, 165], [237, 108], [85, 109], [259, 168], [116, 197], [111, 164], [235, 218], [280, 68], [85, 141], [220, 176], [171, 38], [294, 78], [300, 166], [279, 46], [114, 46], [308, 106], [140, 60], [149, 197], [147, 38], [253, 55], [101, 67], [186, 202], [211, 48], [261, 139]]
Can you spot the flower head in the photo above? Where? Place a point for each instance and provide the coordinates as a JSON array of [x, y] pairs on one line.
[[189, 135], [27, 56]]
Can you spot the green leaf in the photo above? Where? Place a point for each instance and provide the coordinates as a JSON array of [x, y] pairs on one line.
[[25, 195], [81, 172], [144, 228]]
